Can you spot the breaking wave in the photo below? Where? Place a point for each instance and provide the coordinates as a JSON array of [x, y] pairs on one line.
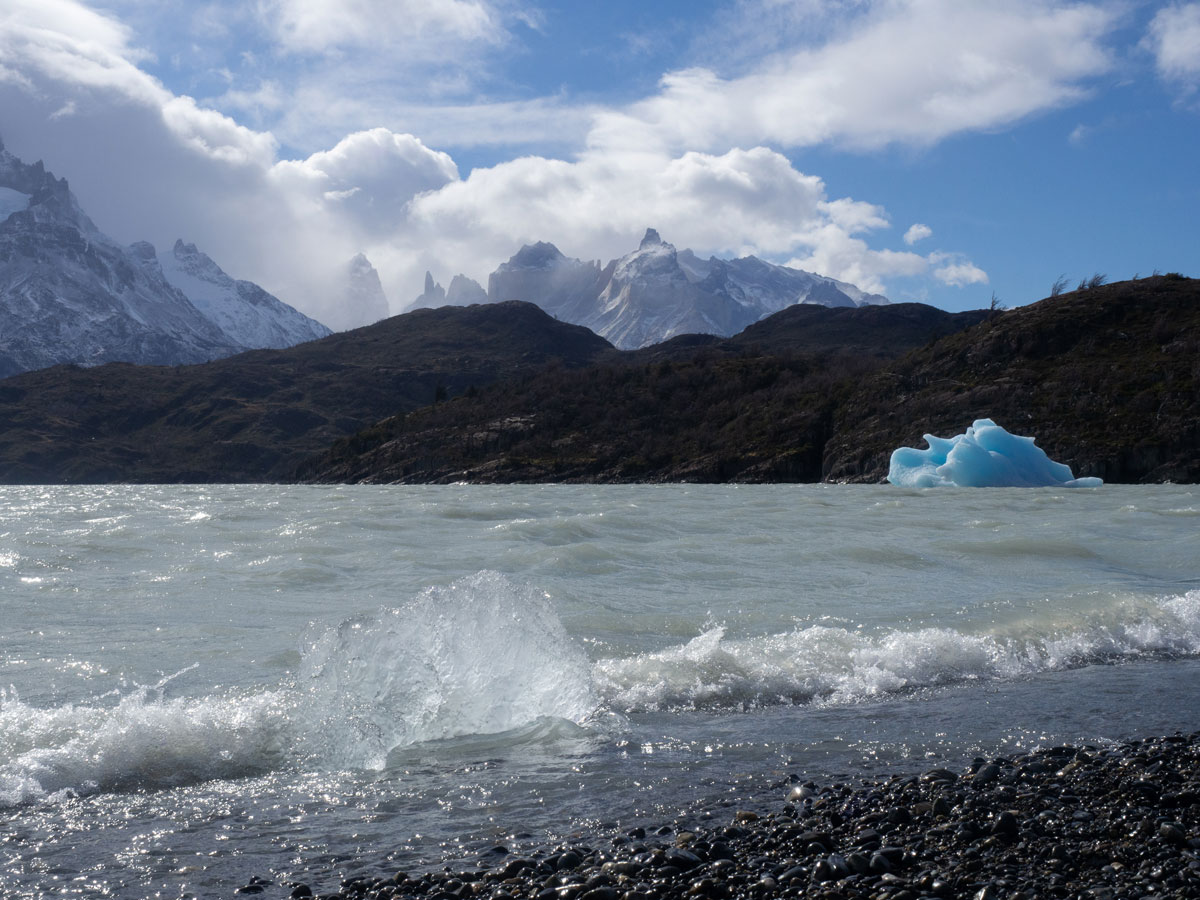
[[486, 662], [482, 656], [830, 665]]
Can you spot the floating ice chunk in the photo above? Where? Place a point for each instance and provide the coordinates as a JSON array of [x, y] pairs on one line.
[[986, 456]]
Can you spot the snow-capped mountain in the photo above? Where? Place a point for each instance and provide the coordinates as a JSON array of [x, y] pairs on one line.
[[657, 292], [650, 298], [69, 293], [246, 313]]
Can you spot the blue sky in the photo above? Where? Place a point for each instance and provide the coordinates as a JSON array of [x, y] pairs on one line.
[[939, 150]]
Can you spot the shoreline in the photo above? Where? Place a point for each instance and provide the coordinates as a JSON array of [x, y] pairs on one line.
[[1087, 822]]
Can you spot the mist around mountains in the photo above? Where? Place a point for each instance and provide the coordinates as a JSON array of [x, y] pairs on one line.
[[650, 295], [71, 294]]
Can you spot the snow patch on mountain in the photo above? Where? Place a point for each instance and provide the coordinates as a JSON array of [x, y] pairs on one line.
[[244, 311], [654, 293]]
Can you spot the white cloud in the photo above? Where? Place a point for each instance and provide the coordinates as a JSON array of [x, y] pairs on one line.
[[367, 180], [917, 232], [328, 25], [909, 71], [955, 270], [152, 164], [1174, 38]]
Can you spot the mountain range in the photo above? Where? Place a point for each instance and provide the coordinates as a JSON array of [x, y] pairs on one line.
[[259, 415], [650, 295], [70, 293], [1104, 377]]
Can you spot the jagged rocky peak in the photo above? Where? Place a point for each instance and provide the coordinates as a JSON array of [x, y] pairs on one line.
[[653, 257], [651, 239], [29, 187], [28, 178], [249, 315], [363, 301], [143, 251], [200, 264], [464, 291], [433, 296]]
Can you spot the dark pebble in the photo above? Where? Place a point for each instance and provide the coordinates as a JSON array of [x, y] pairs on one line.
[[1096, 823]]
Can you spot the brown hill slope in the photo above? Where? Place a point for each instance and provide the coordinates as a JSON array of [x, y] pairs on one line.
[[252, 417]]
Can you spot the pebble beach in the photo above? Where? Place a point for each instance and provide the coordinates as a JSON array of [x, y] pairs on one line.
[[1085, 823]]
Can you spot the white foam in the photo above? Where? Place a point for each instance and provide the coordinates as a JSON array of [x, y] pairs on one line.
[[142, 741], [838, 666], [482, 656]]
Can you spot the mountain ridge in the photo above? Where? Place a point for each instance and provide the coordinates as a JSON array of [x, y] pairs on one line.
[[252, 417], [70, 293], [651, 294]]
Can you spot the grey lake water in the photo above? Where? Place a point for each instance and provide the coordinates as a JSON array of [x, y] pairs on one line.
[[203, 684]]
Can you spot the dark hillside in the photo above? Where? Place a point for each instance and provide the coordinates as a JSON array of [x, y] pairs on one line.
[[755, 407], [1106, 379], [252, 417]]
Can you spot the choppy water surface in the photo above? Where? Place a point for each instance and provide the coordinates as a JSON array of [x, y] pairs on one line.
[[200, 684]]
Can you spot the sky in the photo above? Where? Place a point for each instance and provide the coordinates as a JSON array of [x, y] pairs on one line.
[[946, 151]]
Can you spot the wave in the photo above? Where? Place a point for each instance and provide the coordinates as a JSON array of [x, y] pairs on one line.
[[834, 666], [484, 655], [484, 664], [145, 740]]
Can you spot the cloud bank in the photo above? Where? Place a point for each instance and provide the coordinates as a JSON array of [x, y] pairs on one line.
[[702, 159]]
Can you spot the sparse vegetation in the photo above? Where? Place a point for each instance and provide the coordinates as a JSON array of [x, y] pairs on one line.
[[1060, 285]]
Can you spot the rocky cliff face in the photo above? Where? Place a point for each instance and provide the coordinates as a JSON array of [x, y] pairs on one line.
[[68, 293], [539, 273], [71, 294], [363, 301]]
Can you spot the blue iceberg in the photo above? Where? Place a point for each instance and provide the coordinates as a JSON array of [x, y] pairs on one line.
[[986, 456]]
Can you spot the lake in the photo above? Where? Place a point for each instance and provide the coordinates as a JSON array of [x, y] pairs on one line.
[[200, 684]]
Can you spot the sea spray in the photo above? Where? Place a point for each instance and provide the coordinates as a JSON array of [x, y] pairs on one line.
[[483, 655], [143, 741]]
